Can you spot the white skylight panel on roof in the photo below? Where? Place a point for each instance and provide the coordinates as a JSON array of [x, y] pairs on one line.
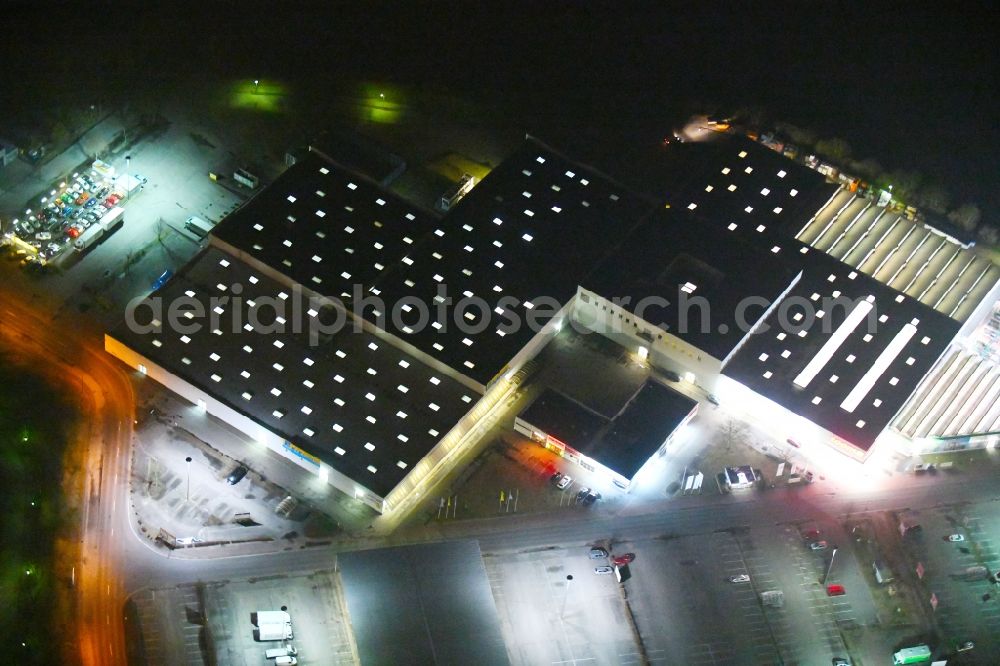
[[291, 199], [782, 173], [765, 191], [527, 237], [324, 170], [833, 343], [877, 368], [380, 202], [400, 464]]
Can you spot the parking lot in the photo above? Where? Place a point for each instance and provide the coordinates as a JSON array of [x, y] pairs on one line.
[[688, 611], [210, 623], [65, 214], [550, 619], [968, 607]]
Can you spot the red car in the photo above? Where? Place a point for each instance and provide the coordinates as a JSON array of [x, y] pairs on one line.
[[72, 232], [82, 199], [622, 560], [111, 201], [835, 590]]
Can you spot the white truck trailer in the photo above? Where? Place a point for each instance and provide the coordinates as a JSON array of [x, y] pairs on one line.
[[109, 221], [272, 625]]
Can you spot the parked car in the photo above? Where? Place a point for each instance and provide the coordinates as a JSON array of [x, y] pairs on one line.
[[82, 199], [955, 537], [582, 494], [139, 177], [188, 541], [742, 578], [90, 203], [922, 467], [967, 645], [591, 497], [818, 545], [671, 375], [554, 479], [72, 232], [564, 482], [623, 559], [162, 280], [712, 399], [835, 590], [603, 570], [43, 236], [840, 661], [236, 475], [598, 553], [792, 442]]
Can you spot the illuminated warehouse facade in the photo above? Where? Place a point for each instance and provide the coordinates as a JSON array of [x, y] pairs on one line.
[[715, 287]]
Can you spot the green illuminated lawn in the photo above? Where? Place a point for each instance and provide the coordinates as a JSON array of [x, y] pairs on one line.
[[264, 96], [34, 426]]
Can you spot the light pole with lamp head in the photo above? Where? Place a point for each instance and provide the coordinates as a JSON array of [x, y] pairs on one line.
[[188, 495]]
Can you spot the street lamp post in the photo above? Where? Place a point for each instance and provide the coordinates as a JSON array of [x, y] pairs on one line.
[[128, 171], [188, 494], [832, 556], [256, 86]]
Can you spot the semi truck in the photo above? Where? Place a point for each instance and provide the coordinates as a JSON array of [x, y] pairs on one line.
[[198, 226], [108, 222]]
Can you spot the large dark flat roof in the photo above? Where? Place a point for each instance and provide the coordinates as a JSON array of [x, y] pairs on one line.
[[325, 227], [671, 249], [353, 400], [738, 180], [564, 419], [424, 604], [645, 424], [769, 365], [622, 444], [534, 227]]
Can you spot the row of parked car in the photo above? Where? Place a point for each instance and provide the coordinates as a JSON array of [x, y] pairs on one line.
[[66, 215]]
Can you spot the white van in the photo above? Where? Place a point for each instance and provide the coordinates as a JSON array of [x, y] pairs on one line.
[[286, 661], [285, 651]]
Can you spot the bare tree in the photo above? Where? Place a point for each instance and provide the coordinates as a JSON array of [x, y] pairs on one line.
[[732, 431]]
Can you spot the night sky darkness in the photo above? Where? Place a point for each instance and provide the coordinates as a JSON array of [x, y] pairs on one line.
[[911, 85]]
